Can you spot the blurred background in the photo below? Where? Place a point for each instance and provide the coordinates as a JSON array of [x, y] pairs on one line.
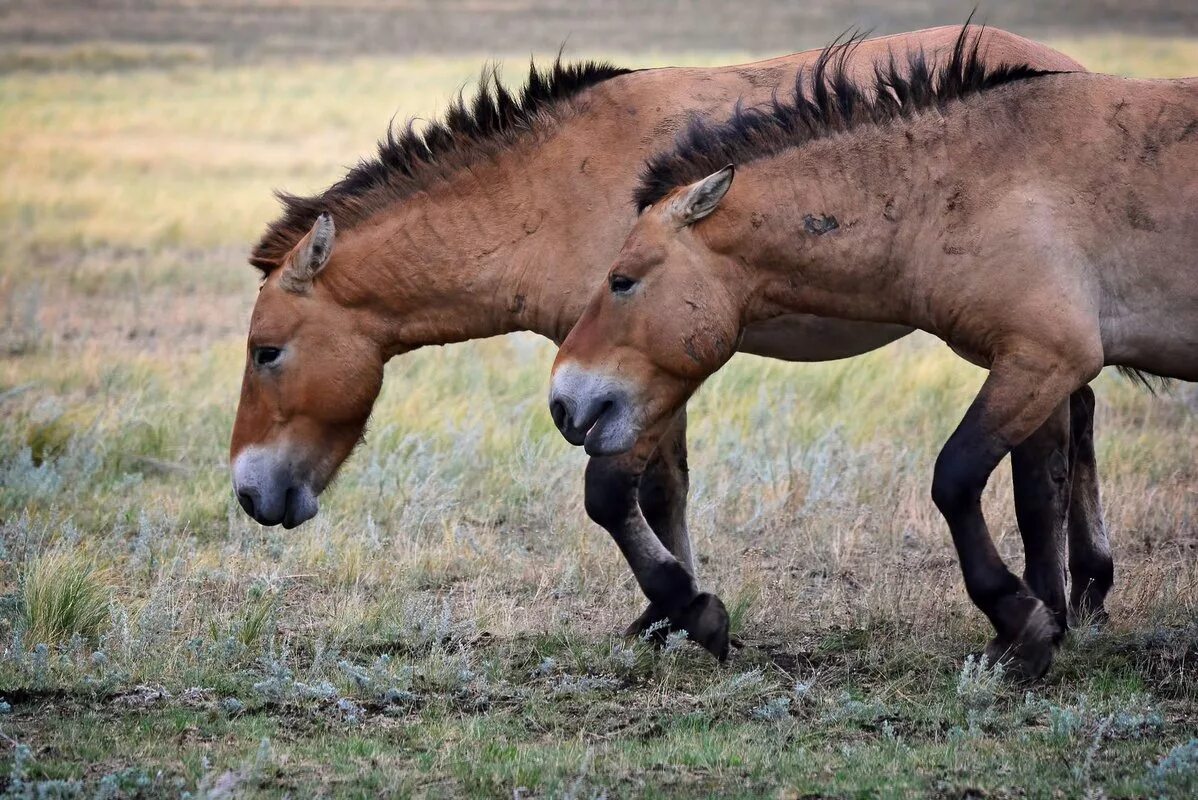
[[140, 142], [307, 29]]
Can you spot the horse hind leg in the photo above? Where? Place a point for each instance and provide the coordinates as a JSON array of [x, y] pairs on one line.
[[1091, 567]]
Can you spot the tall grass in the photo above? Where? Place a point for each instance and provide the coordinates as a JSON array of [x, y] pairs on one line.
[[64, 594]]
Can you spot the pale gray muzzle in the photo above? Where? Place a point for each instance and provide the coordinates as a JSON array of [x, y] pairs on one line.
[[593, 410], [269, 491]]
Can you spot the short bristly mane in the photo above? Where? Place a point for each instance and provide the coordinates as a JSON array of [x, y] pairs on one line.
[[829, 103], [408, 159]]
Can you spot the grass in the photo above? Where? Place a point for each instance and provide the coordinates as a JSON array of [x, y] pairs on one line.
[[448, 626], [63, 595]]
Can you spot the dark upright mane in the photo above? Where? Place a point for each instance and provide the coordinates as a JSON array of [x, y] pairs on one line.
[[830, 104], [408, 160]]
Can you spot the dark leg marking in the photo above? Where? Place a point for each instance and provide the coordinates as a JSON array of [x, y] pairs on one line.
[[1026, 630], [612, 489], [1091, 567], [662, 498], [1040, 469]]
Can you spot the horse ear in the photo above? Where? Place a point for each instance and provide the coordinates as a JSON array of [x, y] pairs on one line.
[[310, 256], [701, 198]]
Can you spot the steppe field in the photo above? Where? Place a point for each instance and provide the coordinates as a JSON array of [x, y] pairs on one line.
[[449, 625]]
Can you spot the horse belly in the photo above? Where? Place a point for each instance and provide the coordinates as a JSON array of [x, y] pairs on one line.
[[802, 337], [1164, 343]]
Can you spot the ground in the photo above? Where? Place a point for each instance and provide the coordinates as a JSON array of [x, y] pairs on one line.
[[449, 626]]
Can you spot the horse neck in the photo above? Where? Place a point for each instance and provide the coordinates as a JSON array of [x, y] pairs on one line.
[[519, 241], [494, 249], [886, 193]]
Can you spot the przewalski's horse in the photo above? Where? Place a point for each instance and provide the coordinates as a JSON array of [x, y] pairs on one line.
[[501, 219], [1043, 225]]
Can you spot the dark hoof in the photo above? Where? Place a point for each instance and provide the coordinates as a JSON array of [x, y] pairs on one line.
[[706, 621], [649, 617], [1027, 655]]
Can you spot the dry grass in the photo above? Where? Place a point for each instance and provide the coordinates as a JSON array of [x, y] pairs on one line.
[[455, 545], [63, 595]]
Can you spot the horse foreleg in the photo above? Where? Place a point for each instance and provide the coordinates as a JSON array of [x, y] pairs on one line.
[[612, 489], [662, 498], [1091, 568], [1023, 389], [1056, 486], [1040, 473]]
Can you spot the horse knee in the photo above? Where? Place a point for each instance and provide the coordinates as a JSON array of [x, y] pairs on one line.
[[609, 496], [1058, 467], [1041, 478], [956, 487]]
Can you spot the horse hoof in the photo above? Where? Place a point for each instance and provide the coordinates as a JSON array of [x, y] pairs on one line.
[[706, 622], [1028, 655], [649, 617]]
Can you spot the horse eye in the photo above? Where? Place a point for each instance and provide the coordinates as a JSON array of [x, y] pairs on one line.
[[265, 356], [620, 284]]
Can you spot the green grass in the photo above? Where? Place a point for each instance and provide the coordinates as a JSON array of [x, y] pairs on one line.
[[447, 626]]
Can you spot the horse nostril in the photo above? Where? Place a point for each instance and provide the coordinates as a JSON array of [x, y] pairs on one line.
[[247, 502], [560, 416]]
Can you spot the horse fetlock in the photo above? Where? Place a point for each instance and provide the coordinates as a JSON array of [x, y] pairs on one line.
[[1027, 638], [1049, 586], [706, 622], [669, 585], [1093, 572], [652, 616]]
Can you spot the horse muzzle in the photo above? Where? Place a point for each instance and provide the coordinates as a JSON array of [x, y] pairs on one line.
[[593, 411], [268, 490]]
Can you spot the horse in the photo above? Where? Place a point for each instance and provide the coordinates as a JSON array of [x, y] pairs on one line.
[[1044, 224], [500, 218]]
